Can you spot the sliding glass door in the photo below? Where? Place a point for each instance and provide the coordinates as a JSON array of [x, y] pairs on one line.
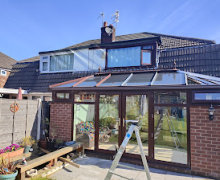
[[109, 121], [136, 108]]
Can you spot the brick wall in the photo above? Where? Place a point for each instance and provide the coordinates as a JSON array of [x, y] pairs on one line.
[[205, 141], [61, 120], [3, 79]]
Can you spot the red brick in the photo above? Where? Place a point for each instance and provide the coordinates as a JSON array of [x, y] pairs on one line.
[[205, 141]]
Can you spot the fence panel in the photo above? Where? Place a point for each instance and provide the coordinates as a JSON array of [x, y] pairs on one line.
[[16, 125]]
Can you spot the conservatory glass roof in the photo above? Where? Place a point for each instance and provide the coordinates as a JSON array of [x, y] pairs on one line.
[[144, 78]]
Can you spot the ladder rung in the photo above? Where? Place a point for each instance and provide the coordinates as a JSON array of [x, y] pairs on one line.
[[129, 167], [122, 176]]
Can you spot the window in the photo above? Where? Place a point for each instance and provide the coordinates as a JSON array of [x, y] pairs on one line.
[[123, 57], [205, 96], [63, 95], [45, 66], [146, 57], [3, 73], [172, 97], [130, 56], [84, 97], [61, 62]]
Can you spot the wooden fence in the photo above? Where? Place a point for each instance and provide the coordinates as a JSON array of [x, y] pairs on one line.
[[16, 125]]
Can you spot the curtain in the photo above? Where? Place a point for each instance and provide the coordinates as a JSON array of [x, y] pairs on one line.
[[61, 62]]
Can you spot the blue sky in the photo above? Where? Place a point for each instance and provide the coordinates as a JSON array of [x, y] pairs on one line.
[[28, 27]]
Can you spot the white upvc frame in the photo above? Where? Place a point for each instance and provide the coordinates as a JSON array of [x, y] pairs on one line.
[[46, 58]]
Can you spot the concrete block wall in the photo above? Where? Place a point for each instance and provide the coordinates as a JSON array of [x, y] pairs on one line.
[[61, 121], [205, 141]]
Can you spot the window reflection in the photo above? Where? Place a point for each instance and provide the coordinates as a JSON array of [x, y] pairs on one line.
[[170, 134], [84, 124], [122, 57], [108, 122], [172, 97], [137, 109]]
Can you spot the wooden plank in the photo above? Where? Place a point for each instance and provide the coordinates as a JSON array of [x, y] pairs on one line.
[[70, 162], [62, 159], [43, 159]]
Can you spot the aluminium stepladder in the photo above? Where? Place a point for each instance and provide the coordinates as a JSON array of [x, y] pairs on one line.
[[115, 163]]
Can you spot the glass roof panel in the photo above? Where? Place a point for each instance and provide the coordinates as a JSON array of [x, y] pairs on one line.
[[68, 85], [115, 80], [140, 79], [91, 82], [167, 78]]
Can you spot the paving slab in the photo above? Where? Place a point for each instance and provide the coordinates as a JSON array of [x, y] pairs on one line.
[[96, 169]]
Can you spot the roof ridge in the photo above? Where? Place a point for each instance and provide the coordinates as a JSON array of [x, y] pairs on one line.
[[8, 56]]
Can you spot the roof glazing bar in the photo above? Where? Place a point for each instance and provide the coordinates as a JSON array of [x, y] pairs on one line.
[[82, 80], [153, 79], [103, 80], [126, 80]]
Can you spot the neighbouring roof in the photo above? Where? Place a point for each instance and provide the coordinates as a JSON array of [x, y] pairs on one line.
[[6, 62], [25, 74], [32, 59], [136, 79], [167, 41]]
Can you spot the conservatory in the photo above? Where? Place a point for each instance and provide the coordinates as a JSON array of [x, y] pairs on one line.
[[94, 110]]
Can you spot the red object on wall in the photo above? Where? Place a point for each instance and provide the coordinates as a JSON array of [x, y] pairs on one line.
[[205, 141], [19, 96]]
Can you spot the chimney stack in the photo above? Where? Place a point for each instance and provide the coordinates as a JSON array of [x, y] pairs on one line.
[[107, 33]]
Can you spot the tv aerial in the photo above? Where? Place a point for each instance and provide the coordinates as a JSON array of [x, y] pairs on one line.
[[115, 18], [101, 15]]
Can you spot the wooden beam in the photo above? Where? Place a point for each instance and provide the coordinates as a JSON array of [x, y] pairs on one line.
[[46, 158], [82, 80], [62, 159], [103, 80], [66, 82]]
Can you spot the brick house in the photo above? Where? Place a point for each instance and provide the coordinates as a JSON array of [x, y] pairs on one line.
[[178, 110], [6, 63]]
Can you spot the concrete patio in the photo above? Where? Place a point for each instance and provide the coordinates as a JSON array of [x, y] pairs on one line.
[[96, 169]]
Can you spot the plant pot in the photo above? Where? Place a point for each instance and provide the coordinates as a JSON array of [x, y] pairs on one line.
[[9, 176], [13, 153], [27, 149]]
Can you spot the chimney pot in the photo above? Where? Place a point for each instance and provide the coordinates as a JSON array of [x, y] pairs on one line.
[[105, 24]]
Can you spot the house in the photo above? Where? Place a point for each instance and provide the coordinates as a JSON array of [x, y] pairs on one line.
[[6, 63], [178, 111], [83, 59], [161, 80]]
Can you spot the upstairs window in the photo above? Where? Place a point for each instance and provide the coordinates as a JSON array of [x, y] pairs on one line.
[[61, 62], [123, 57], [146, 55], [130, 56], [45, 66]]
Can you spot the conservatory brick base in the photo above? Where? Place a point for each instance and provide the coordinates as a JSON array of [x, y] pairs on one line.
[[61, 121], [205, 141]]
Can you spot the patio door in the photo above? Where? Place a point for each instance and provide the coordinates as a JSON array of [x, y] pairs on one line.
[[109, 125], [136, 107]]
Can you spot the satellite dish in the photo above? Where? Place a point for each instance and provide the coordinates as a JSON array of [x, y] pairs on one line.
[[108, 30]]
